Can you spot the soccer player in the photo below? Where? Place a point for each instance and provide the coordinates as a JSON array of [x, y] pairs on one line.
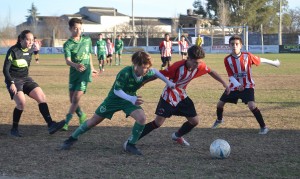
[[183, 46], [165, 48], [122, 96], [78, 55], [238, 66], [110, 50], [176, 101], [18, 83], [36, 48], [119, 45], [100, 51]]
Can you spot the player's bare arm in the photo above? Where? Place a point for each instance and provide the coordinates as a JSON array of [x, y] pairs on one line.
[[217, 77]]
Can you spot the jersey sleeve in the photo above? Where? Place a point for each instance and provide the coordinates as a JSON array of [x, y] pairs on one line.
[[254, 59], [67, 50], [7, 64]]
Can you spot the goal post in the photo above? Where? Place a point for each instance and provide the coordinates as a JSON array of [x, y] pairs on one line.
[[215, 38]]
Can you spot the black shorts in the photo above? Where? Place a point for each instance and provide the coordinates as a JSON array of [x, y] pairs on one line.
[[36, 52], [22, 84], [246, 96], [166, 59], [109, 55], [184, 108], [184, 53]]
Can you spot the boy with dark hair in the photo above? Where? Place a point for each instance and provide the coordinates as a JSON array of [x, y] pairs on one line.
[[165, 48], [122, 96], [176, 101], [101, 51], [78, 56], [183, 47], [119, 45], [238, 66]]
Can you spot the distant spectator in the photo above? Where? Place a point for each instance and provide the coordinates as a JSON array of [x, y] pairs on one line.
[[36, 48]]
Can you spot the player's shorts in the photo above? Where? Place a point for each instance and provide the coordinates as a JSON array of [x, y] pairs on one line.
[[184, 53], [112, 105], [109, 55], [101, 57], [119, 52], [26, 84], [184, 108], [166, 59], [78, 86], [246, 96], [36, 52]]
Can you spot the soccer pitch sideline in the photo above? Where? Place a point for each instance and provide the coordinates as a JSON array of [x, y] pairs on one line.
[[98, 153]]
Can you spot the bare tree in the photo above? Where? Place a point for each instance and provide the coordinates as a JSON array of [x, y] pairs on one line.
[[223, 13]]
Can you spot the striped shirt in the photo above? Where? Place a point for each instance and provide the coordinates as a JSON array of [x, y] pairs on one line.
[[110, 47], [181, 76], [165, 48], [240, 69], [183, 46]]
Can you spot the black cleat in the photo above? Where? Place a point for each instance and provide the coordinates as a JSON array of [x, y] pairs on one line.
[[15, 132], [55, 126], [68, 143], [131, 148]]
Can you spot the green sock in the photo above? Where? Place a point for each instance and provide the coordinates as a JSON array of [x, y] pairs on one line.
[[80, 130], [78, 112], [137, 130], [68, 118]]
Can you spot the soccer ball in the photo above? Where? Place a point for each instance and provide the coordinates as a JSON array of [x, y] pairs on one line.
[[219, 149]]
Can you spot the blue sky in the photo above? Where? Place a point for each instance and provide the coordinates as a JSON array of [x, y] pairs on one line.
[[15, 11]]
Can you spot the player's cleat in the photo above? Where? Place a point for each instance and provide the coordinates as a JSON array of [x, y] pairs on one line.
[[68, 143], [131, 148], [264, 130], [15, 132], [217, 124], [180, 140], [55, 126], [82, 118], [65, 128]]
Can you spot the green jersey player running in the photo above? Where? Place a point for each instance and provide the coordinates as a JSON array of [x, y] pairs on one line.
[[122, 96]]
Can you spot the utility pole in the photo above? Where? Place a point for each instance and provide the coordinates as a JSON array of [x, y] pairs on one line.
[[280, 22], [133, 30]]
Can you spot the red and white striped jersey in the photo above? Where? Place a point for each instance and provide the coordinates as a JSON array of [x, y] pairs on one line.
[[183, 46], [181, 76], [110, 48], [165, 48], [240, 69]]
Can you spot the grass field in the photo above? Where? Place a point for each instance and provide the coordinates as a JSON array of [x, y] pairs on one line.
[[99, 154]]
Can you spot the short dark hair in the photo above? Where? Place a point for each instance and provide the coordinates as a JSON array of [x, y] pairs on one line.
[[141, 58], [167, 34], [182, 36], [196, 52], [236, 37], [74, 21]]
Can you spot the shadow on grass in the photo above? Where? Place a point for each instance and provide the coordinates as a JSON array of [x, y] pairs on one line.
[[99, 154]]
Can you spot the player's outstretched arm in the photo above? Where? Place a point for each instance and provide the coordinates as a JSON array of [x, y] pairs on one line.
[[163, 78], [217, 77], [275, 63], [135, 100]]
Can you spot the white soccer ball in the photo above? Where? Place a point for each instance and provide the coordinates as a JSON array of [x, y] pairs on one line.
[[219, 149]]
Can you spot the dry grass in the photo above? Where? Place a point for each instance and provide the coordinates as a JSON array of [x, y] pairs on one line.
[[98, 153]]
